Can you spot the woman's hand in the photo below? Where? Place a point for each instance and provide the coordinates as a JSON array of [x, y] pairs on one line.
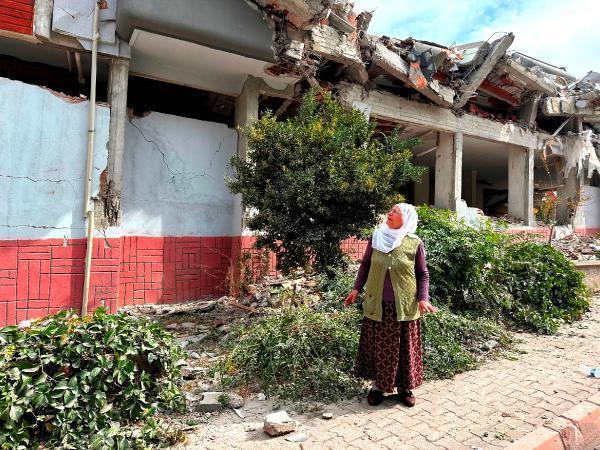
[[426, 307], [351, 298]]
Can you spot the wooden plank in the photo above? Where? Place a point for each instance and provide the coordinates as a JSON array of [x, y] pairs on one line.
[[15, 5]]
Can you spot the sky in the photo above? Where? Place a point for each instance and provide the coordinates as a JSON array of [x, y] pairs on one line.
[[564, 33]]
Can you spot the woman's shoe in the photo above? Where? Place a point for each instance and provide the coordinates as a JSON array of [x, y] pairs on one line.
[[374, 397], [407, 398]]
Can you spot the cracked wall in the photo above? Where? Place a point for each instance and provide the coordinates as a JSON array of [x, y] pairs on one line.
[[174, 177], [43, 156]]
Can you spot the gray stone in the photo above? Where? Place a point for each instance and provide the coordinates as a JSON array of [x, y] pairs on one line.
[[261, 397], [327, 416], [209, 402], [187, 325], [172, 326], [298, 437], [278, 423], [194, 355], [235, 401]]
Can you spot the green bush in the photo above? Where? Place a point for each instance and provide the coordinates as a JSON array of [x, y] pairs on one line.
[[67, 382], [463, 263], [453, 343], [318, 178], [297, 353], [499, 276], [546, 286]]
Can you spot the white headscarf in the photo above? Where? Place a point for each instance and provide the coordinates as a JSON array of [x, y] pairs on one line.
[[386, 239]]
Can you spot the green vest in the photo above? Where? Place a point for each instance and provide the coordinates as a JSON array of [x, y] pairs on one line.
[[401, 264]]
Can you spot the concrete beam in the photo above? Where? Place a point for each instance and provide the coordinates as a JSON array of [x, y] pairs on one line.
[[566, 106], [391, 107], [496, 52], [520, 183], [448, 170], [521, 74], [341, 48], [392, 63], [117, 95], [42, 18]]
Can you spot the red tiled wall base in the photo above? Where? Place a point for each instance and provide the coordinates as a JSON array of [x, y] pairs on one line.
[[16, 16], [40, 277]]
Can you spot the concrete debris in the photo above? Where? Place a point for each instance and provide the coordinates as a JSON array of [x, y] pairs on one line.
[[207, 402], [579, 248], [298, 437], [279, 423]]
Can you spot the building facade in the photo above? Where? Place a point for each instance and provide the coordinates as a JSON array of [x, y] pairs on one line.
[[146, 215]]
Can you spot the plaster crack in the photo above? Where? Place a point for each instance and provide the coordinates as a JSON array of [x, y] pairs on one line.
[[157, 147], [44, 180]]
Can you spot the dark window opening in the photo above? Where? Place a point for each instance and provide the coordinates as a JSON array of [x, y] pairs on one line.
[[145, 95], [58, 79]]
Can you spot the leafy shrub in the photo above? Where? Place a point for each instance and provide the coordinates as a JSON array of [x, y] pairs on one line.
[[546, 286], [452, 343], [463, 263], [318, 178], [297, 353], [499, 276], [334, 289], [67, 382]]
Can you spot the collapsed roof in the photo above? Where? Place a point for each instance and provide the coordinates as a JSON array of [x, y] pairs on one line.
[[325, 41]]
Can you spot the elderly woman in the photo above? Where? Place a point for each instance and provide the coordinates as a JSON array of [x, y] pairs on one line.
[[394, 275]]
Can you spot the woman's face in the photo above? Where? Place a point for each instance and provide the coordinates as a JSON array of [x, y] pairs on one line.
[[394, 218]]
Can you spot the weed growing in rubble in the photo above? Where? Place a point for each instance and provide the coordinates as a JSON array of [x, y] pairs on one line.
[[318, 178], [67, 382], [453, 343], [296, 353]]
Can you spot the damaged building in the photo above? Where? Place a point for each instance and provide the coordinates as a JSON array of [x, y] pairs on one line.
[[118, 119]]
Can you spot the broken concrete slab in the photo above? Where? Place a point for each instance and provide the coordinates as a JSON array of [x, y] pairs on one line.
[[208, 402], [524, 75], [392, 63], [278, 423], [497, 50]]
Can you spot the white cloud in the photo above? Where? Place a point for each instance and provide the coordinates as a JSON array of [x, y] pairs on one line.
[[559, 32]]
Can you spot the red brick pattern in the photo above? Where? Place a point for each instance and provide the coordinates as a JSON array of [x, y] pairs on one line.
[[40, 277], [17, 16]]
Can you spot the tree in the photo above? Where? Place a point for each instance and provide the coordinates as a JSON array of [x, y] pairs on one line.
[[317, 178]]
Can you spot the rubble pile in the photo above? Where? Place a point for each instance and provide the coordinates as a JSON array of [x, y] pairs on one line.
[[579, 248]]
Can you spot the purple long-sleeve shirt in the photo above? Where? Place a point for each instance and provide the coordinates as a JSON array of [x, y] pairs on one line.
[[421, 274]]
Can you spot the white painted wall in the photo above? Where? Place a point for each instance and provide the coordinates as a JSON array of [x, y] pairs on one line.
[[43, 151], [173, 177], [591, 206]]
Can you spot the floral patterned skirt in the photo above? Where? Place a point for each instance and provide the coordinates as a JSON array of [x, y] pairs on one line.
[[390, 352]]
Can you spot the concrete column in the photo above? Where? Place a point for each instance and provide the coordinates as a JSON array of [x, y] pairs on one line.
[[520, 183], [117, 96], [569, 210], [422, 189], [246, 110], [448, 170], [528, 111]]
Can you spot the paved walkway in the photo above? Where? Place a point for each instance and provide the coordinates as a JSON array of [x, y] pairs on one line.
[[486, 408]]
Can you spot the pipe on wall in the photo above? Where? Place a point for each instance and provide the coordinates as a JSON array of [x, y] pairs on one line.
[[88, 206]]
